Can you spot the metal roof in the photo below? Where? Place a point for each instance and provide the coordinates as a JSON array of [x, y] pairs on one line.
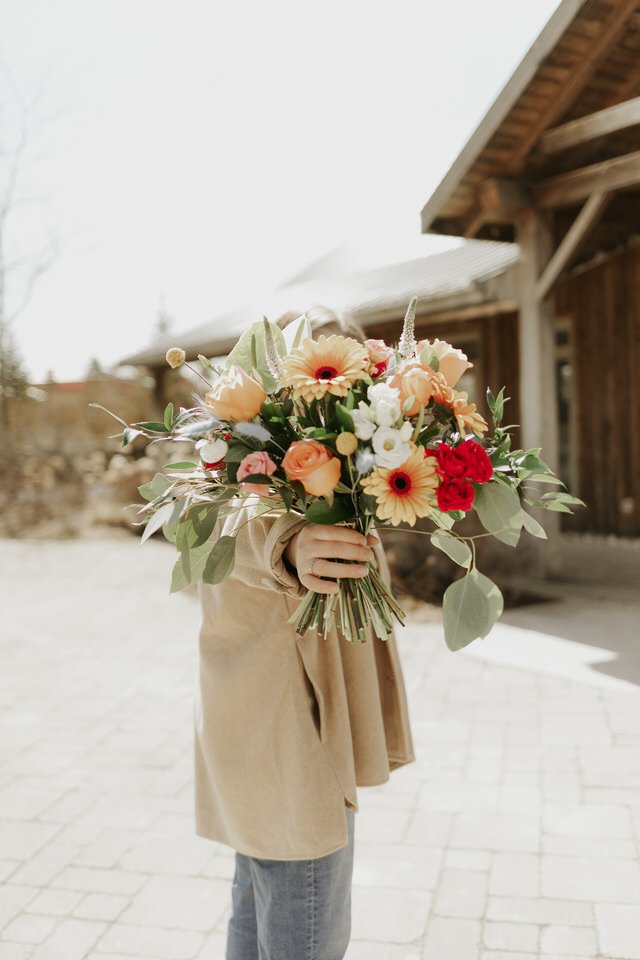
[[460, 277]]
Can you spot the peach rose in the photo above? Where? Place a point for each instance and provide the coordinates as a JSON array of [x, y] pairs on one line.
[[235, 396], [413, 379], [259, 463], [379, 356], [452, 362], [313, 465]]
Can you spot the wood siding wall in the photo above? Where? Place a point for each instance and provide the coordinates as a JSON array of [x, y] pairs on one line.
[[604, 306]]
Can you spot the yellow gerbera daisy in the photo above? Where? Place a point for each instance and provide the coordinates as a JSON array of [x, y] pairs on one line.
[[406, 492], [329, 365]]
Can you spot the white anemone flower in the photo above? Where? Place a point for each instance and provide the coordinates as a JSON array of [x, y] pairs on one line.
[[389, 448], [385, 404], [212, 450], [363, 422]]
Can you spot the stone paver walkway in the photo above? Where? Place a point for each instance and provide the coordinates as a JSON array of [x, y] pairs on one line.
[[514, 836]]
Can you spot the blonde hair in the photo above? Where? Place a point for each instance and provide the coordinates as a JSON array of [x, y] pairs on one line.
[[325, 322]]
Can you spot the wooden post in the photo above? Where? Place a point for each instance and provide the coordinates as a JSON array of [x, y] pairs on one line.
[[538, 403]]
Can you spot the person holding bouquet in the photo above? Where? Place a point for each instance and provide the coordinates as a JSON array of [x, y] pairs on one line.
[[288, 726]]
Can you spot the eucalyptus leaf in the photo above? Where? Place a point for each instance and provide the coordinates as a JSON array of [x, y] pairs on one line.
[[182, 465], [197, 557], [159, 518], [168, 416], [221, 560], [156, 487], [498, 508], [455, 547], [470, 608], [532, 526], [443, 520]]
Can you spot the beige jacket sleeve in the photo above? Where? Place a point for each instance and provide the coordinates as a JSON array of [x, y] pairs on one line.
[[261, 539]]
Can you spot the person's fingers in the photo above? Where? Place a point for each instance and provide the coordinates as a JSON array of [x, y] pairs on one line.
[[330, 568]]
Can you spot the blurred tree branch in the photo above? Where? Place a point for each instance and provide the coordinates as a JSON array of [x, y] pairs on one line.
[[14, 141]]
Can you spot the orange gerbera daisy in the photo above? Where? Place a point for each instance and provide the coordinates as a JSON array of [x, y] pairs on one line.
[[466, 413], [406, 492], [329, 365]]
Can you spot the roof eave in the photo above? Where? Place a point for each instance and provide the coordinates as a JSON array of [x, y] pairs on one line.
[[497, 113]]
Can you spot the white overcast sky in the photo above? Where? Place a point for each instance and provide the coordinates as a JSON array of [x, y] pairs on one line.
[[192, 153]]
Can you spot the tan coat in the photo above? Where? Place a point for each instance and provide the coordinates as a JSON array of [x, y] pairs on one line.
[[286, 726]]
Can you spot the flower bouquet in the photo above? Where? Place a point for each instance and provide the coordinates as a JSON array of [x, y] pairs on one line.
[[338, 431]]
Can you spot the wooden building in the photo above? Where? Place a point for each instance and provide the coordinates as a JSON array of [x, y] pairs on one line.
[[555, 167]]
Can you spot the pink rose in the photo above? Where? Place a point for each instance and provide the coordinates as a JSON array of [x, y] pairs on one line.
[[379, 356], [256, 463]]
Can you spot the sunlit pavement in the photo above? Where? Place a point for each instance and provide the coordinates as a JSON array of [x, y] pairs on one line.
[[515, 835]]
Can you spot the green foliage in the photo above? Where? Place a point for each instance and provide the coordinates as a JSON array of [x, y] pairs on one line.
[[499, 511], [250, 352], [455, 547], [470, 608], [221, 560], [320, 511]]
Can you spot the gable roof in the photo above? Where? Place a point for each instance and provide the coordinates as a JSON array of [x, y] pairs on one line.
[[586, 59]]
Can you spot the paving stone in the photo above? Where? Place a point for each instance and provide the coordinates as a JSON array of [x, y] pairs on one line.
[[397, 865], [598, 879], [13, 900], [20, 839], [388, 915], [71, 940], [16, 951], [148, 942], [540, 910], [595, 821], [40, 869], [461, 893], [368, 950], [29, 928], [158, 853], [101, 906], [179, 902], [499, 832], [557, 939], [521, 937], [515, 875], [56, 903], [468, 860], [459, 939], [100, 881], [20, 803], [618, 927]]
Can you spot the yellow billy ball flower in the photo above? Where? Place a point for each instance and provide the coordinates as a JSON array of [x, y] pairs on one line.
[[175, 357], [346, 443]]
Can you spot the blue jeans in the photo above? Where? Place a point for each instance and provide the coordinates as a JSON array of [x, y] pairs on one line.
[[292, 909]]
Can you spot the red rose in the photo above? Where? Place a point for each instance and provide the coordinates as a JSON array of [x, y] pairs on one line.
[[455, 495], [452, 461], [480, 469]]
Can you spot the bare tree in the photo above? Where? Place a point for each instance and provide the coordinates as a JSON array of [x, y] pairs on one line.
[[17, 270]]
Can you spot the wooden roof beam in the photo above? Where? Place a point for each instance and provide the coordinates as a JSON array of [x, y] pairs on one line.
[[578, 80], [599, 124], [567, 189], [584, 222], [498, 201]]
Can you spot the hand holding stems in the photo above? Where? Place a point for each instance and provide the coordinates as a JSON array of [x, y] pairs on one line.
[[316, 552]]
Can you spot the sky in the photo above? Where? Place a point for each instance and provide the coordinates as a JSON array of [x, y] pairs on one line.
[[187, 157]]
